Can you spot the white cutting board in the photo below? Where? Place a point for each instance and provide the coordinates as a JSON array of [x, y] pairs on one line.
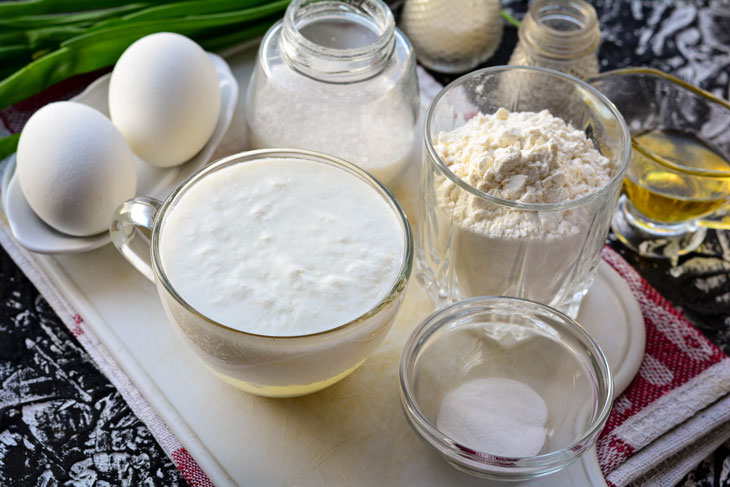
[[352, 433]]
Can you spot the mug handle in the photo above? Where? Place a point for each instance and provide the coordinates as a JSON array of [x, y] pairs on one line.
[[131, 230]]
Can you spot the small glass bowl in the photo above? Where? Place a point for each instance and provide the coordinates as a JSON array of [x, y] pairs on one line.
[[508, 338]]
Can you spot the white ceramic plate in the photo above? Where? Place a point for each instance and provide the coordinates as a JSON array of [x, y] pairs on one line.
[[33, 234], [612, 316]]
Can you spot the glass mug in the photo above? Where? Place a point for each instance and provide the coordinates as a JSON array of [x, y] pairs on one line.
[[263, 365], [456, 260], [678, 181]]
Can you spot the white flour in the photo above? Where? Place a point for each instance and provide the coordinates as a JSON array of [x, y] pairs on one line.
[[531, 158]]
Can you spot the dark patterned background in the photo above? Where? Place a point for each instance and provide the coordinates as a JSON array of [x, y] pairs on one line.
[[63, 423]]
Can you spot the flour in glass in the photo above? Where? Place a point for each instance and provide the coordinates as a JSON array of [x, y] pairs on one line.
[[525, 157]]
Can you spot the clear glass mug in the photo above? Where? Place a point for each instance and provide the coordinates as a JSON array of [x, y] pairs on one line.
[[678, 182], [263, 365], [455, 261]]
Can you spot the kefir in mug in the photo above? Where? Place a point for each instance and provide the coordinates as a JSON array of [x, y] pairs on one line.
[[282, 269]]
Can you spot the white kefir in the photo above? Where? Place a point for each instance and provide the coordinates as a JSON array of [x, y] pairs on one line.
[[282, 247]]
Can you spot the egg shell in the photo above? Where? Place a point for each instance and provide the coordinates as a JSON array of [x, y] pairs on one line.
[[74, 168], [165, 98]]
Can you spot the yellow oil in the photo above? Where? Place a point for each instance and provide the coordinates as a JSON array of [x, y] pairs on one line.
[[671, 196]]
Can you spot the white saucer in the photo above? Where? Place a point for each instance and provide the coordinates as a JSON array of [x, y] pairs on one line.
[[611, 314], [33, 234]]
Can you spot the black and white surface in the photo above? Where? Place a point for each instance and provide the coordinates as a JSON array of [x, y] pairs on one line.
[[63, 423]]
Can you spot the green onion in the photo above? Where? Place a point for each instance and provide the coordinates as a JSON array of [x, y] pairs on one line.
[[8, 145], [13, 51], [194, 7], [89, 49], [35, 21], [40, 7], [218, 43], [510, 18]]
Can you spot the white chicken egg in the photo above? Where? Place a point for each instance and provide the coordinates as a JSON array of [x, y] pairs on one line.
[[74, 168], [165, 98]]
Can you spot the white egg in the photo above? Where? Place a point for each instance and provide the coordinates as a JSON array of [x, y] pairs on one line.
[[74, 168], [165, 98]]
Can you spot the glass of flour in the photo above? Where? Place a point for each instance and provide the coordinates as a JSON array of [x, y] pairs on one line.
[[522, 170]]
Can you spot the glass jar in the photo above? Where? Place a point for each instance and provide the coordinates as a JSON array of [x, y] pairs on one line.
[[473, 243], [559, 34], [337, 77]]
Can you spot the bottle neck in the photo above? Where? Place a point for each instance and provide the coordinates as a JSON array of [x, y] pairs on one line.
[[338, 41], [561, 29]]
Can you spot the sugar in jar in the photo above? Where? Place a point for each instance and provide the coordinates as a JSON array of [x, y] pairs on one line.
[[337, 77]]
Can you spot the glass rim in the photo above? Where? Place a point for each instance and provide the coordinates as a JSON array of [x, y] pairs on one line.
[[360, 63], [401, 278], [549, 461], [687, 86], [623, 161], [384, 37], [566, 45], [584, 8]]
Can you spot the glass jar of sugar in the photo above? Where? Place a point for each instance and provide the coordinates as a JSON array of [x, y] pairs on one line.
[[337, 77], [559, 34]]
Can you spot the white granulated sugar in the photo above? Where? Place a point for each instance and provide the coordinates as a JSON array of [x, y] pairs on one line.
[[372, 126], [531, 158], [494, 415]]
